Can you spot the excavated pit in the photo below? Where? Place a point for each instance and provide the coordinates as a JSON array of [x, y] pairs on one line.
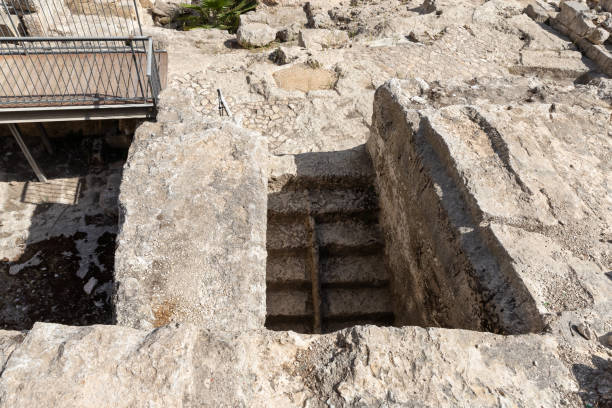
[[331, 266], [57, 239], [325, 267]]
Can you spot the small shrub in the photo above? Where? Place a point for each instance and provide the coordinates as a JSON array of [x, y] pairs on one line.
[[223, 14]]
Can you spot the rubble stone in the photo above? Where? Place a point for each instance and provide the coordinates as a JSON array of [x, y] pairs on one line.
[[255, 35], [286, 55], [319, 39], [573, 16]]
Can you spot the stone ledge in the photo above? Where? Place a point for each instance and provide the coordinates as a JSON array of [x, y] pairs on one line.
[[191, 246], [183, 366]]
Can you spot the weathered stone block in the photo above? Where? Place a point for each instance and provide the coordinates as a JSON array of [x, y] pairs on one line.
[[10, 25], [452, 165], [192, 241], [540, 11], [319, 39], [570, 10], [255, 35], [598, 53], [290, 302]]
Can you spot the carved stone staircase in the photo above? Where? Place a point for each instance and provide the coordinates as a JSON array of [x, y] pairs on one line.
[[325, 268]]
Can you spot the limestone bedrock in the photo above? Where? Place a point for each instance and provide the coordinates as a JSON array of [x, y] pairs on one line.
[[442, 173], [193, 204], [186, 366], [490, 138]]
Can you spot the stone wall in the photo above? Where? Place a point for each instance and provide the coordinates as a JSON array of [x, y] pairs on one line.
[[72, 18], [478, 203]]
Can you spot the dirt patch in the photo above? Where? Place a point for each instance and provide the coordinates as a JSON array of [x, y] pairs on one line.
[[57, 239], [305, 79], [163, 313], [48, 289]]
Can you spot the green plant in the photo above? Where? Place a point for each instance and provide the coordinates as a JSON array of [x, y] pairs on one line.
[[223, 14]]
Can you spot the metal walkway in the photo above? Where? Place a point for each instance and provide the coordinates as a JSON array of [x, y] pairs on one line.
[[72, 60]]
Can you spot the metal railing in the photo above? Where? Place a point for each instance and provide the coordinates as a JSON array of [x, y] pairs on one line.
[[56, 53]]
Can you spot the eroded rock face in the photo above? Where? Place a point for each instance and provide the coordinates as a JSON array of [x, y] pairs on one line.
[[453, 165], [192, 223], [185, 366]]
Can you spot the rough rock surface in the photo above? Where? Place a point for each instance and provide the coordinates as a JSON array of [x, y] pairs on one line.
[[255, 35], [515, 116], [319, 39], [540, 248], [191, 248], [185, 366]]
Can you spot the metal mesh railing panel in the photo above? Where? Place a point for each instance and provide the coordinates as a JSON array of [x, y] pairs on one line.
[[71, 52]]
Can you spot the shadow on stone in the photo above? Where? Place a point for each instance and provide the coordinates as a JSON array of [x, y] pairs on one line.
[[595, 382]]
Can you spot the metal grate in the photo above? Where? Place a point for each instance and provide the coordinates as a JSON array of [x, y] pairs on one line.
[[58, 53]]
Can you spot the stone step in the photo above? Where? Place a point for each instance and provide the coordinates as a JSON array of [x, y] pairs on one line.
[[289, 302], [380, 320], [355, 303], [287, 234], [318, 202], [299, 325], [338, 169], [353, 270], [348, 236], [283, 270]]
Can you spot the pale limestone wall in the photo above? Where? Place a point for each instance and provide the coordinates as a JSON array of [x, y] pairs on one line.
[[485, 213], [76, 18]]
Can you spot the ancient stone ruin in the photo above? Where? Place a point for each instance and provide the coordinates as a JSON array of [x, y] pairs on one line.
[[410, 206]]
